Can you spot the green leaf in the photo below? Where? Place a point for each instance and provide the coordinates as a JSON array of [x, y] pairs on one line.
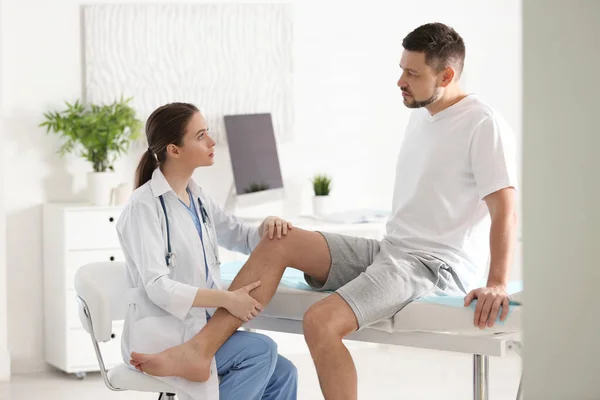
[[321, 185], [101, 131]]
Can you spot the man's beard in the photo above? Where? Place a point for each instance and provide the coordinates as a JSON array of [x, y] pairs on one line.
[[437, 93]]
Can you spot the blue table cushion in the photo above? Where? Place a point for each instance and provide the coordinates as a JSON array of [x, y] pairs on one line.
[[293, 278]]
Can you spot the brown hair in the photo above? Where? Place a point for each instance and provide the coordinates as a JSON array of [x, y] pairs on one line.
[[165, 126], [440, 43]]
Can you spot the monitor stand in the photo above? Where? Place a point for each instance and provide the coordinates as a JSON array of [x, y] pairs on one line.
[[231, 200], [255, 206]]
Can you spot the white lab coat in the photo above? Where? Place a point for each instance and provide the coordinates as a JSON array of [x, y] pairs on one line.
[[160, 313]]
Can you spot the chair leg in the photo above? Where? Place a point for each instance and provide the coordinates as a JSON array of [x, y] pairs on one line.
[[160, 396], [480, 377], [170, 396]]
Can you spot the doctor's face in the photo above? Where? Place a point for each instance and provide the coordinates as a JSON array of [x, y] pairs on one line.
[[198, 148]]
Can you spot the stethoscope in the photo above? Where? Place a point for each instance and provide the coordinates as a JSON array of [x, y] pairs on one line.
[[170, 258]]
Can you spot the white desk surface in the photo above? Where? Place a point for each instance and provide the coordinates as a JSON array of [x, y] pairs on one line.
[[313, 223]]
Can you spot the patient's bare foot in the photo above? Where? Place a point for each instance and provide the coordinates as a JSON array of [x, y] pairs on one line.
[[186, 360]]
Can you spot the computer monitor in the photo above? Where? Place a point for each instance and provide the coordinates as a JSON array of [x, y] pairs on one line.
[[254, 159]]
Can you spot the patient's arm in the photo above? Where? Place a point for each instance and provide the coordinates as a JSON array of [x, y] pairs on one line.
[[502, 235], [502, 207]]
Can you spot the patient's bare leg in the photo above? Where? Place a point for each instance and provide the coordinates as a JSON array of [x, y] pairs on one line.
[[325, 324], [300, 249]]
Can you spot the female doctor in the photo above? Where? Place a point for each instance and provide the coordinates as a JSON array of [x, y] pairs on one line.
[[169, 232]]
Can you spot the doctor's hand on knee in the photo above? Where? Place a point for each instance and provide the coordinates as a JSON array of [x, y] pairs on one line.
[[275, 226], [489, 302], [241, 305]]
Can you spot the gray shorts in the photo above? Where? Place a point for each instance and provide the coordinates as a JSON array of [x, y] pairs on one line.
[[377, 279]]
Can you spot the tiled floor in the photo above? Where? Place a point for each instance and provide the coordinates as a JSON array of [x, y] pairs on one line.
[[385, 373]]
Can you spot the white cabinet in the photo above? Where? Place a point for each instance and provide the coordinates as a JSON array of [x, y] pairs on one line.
[[75, 235]]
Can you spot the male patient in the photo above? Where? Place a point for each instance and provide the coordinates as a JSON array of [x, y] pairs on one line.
[[453, 208]]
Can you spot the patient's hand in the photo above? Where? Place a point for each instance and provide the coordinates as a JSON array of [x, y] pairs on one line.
[[241, 305], [489, 300], [275, 226]]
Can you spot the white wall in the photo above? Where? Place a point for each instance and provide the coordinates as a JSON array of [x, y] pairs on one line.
[[348, 111], [562, 202], [4, 353]]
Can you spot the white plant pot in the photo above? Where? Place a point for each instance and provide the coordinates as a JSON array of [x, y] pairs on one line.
[[100, 187], [322, 205]]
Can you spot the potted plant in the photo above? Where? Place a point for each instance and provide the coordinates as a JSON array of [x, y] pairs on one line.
[[98, 133], [256, 187], [321, 200]]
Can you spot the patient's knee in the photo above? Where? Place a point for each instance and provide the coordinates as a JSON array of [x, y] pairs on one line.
[[329, 320], [318, 325], [274, 246]]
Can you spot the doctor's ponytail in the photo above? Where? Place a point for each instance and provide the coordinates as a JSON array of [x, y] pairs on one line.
[[165, 126], [145, 168]]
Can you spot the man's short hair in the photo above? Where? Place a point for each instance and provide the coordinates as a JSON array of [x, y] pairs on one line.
[[441, 44]]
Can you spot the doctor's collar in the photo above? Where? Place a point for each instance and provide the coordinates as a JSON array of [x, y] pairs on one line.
[[160, 185]]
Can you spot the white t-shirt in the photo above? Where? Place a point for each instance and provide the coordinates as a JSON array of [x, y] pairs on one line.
[[447, 164]]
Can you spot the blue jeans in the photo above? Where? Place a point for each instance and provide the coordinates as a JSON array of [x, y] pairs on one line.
[[251, 369]]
